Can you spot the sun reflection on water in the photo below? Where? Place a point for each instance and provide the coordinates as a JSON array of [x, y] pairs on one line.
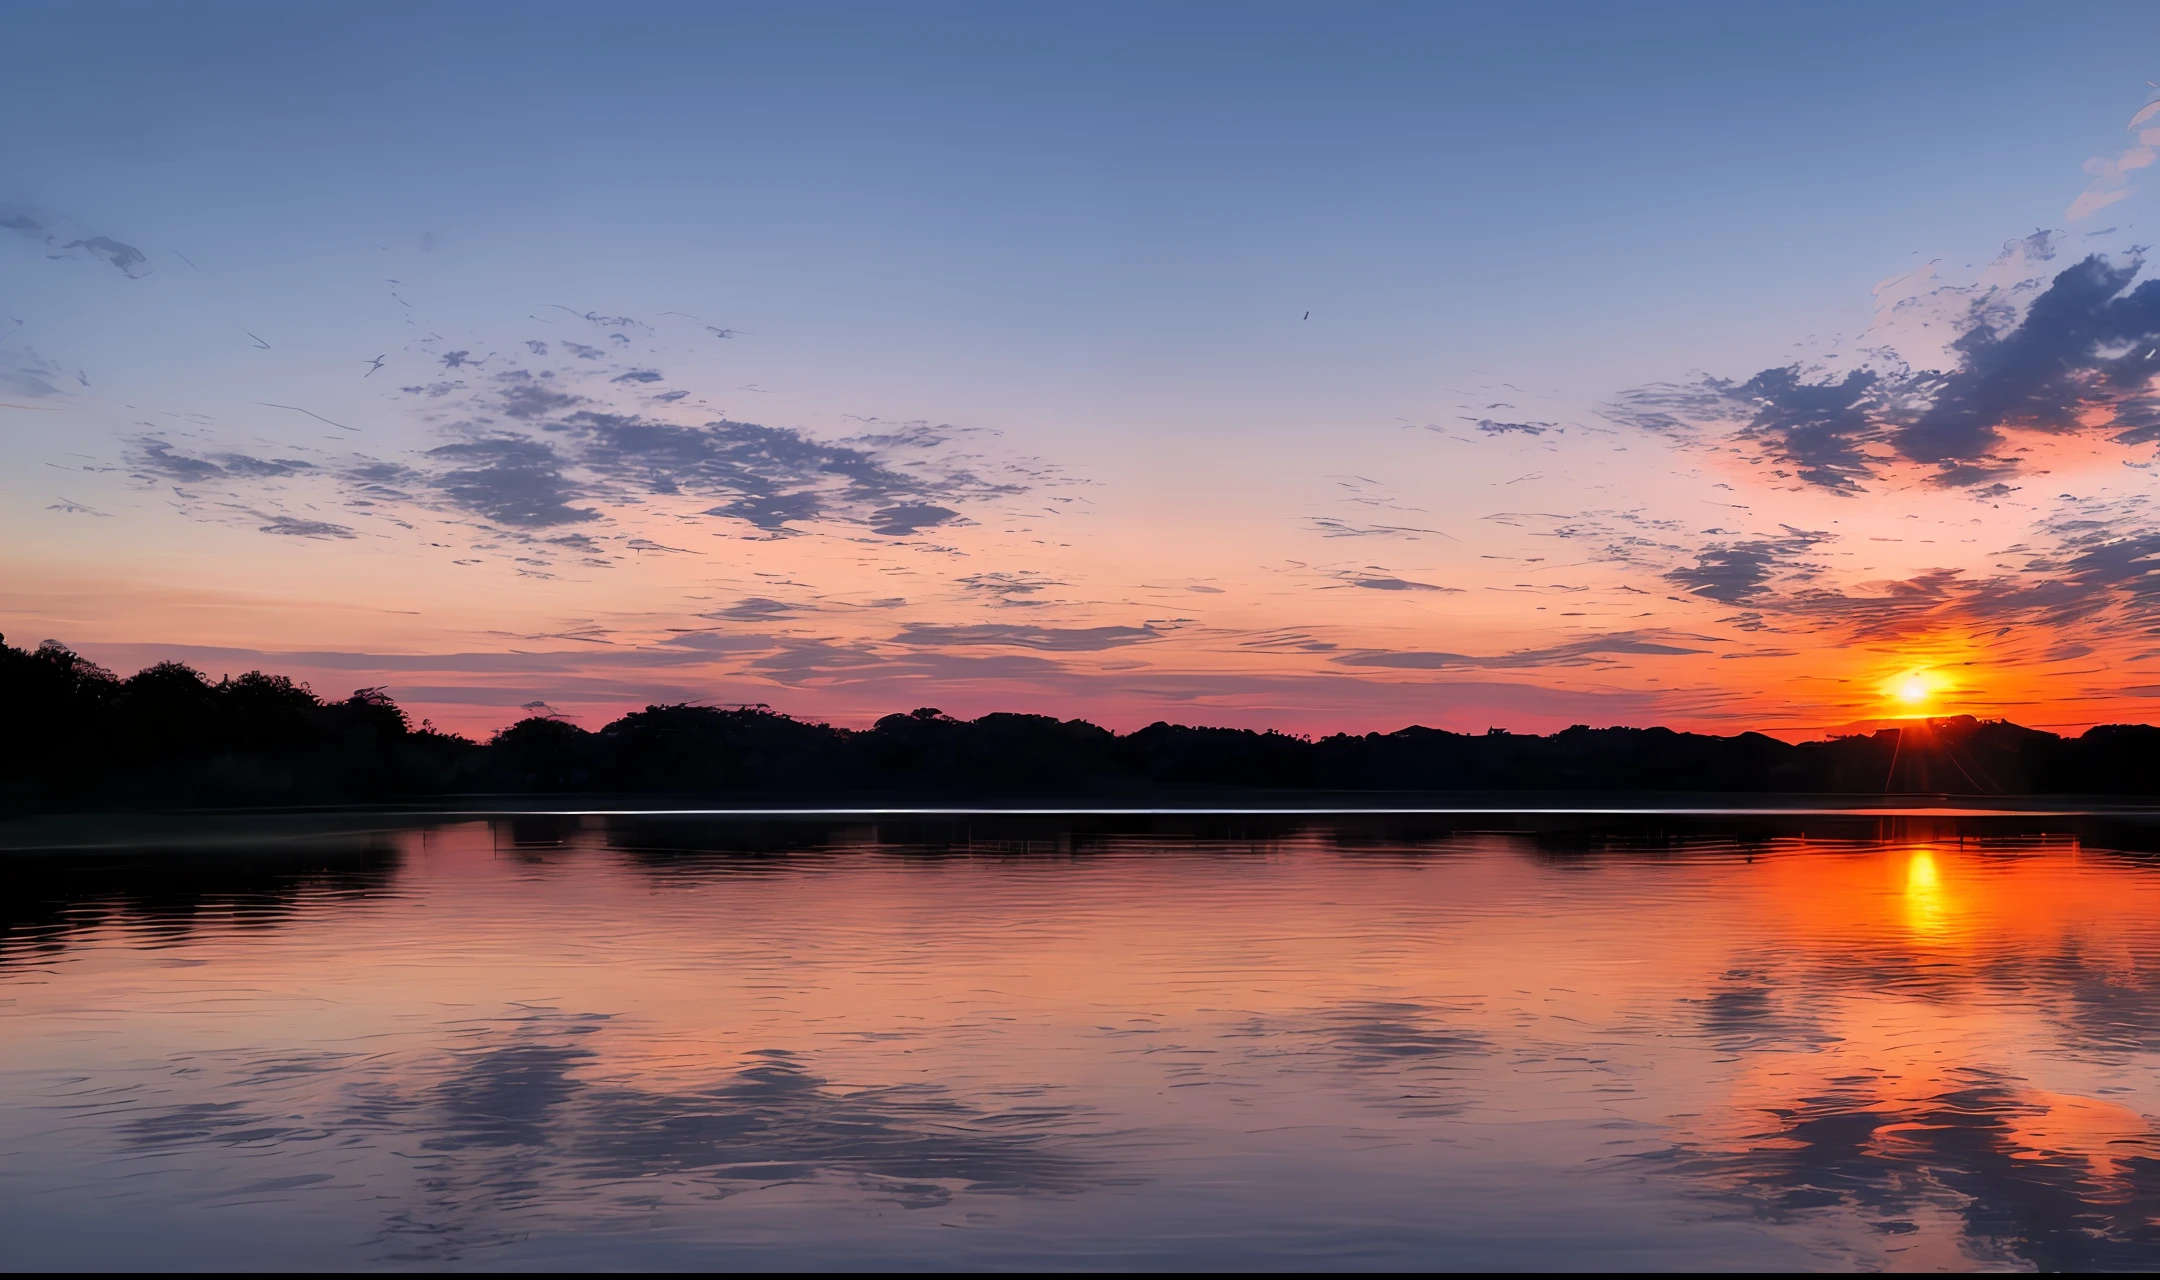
[[1924, 897]]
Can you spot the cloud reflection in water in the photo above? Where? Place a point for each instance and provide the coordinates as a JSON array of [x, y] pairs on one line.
[[529, 1117], [507, 1043], [2055, 1182]]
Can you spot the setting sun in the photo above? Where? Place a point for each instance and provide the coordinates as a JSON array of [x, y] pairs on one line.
[[1912, 687]]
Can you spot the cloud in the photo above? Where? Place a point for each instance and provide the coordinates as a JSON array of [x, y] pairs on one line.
[[511, 480], [2037, 349], [1054, 639], [757, 609], [2089, 203], [722, 642], [565, 662], [773, 477], [1737, 572], [152, 456], [291, 527], [526, 397], [1331, 527], [123, 257], [2110, 174], [2080, 357], [772, 512], [531, 450], [2097, 568], [27, 382], [1821, 428], [1397, 584], [908, 518], [1574, 654], [371, 479], [2088, 342], [1363, 491], [583, 464], [24, 373], [799, 662], [1010, 588]]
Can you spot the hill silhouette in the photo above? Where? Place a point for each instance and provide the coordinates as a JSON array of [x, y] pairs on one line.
[[79, 737]]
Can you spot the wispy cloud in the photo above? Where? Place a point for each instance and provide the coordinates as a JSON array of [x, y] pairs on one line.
[[1382, 582], [2111, 174], [1576, 653], [45, 229], [290, 527], [526, 451], [1055, 639]]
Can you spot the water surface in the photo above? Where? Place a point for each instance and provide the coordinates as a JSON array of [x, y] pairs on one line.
[[623, 1042]]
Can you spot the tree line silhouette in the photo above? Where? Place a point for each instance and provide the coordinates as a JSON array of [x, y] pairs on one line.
[[78, 736]]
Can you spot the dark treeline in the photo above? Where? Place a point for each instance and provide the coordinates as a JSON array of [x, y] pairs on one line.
[[77, 736]]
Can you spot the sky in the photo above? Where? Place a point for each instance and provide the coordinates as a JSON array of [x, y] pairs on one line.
[[1314, 367]]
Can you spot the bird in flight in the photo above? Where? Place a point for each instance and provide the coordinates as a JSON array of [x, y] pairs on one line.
[[1306, 316], [258, 341], [374, 365]]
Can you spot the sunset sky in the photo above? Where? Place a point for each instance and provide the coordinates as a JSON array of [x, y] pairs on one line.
[[1297, 366]]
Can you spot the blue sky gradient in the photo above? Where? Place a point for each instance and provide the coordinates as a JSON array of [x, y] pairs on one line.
[[1081, 239]]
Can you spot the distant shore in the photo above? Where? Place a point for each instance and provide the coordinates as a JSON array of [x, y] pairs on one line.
[[83, 739]]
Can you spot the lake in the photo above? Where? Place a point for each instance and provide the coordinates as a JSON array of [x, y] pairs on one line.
[[1804, 1041]]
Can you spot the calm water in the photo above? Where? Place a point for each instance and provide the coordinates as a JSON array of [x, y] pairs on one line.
[[604, 1042]]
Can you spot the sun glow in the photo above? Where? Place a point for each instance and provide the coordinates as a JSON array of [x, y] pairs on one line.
[[1913, 689]]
